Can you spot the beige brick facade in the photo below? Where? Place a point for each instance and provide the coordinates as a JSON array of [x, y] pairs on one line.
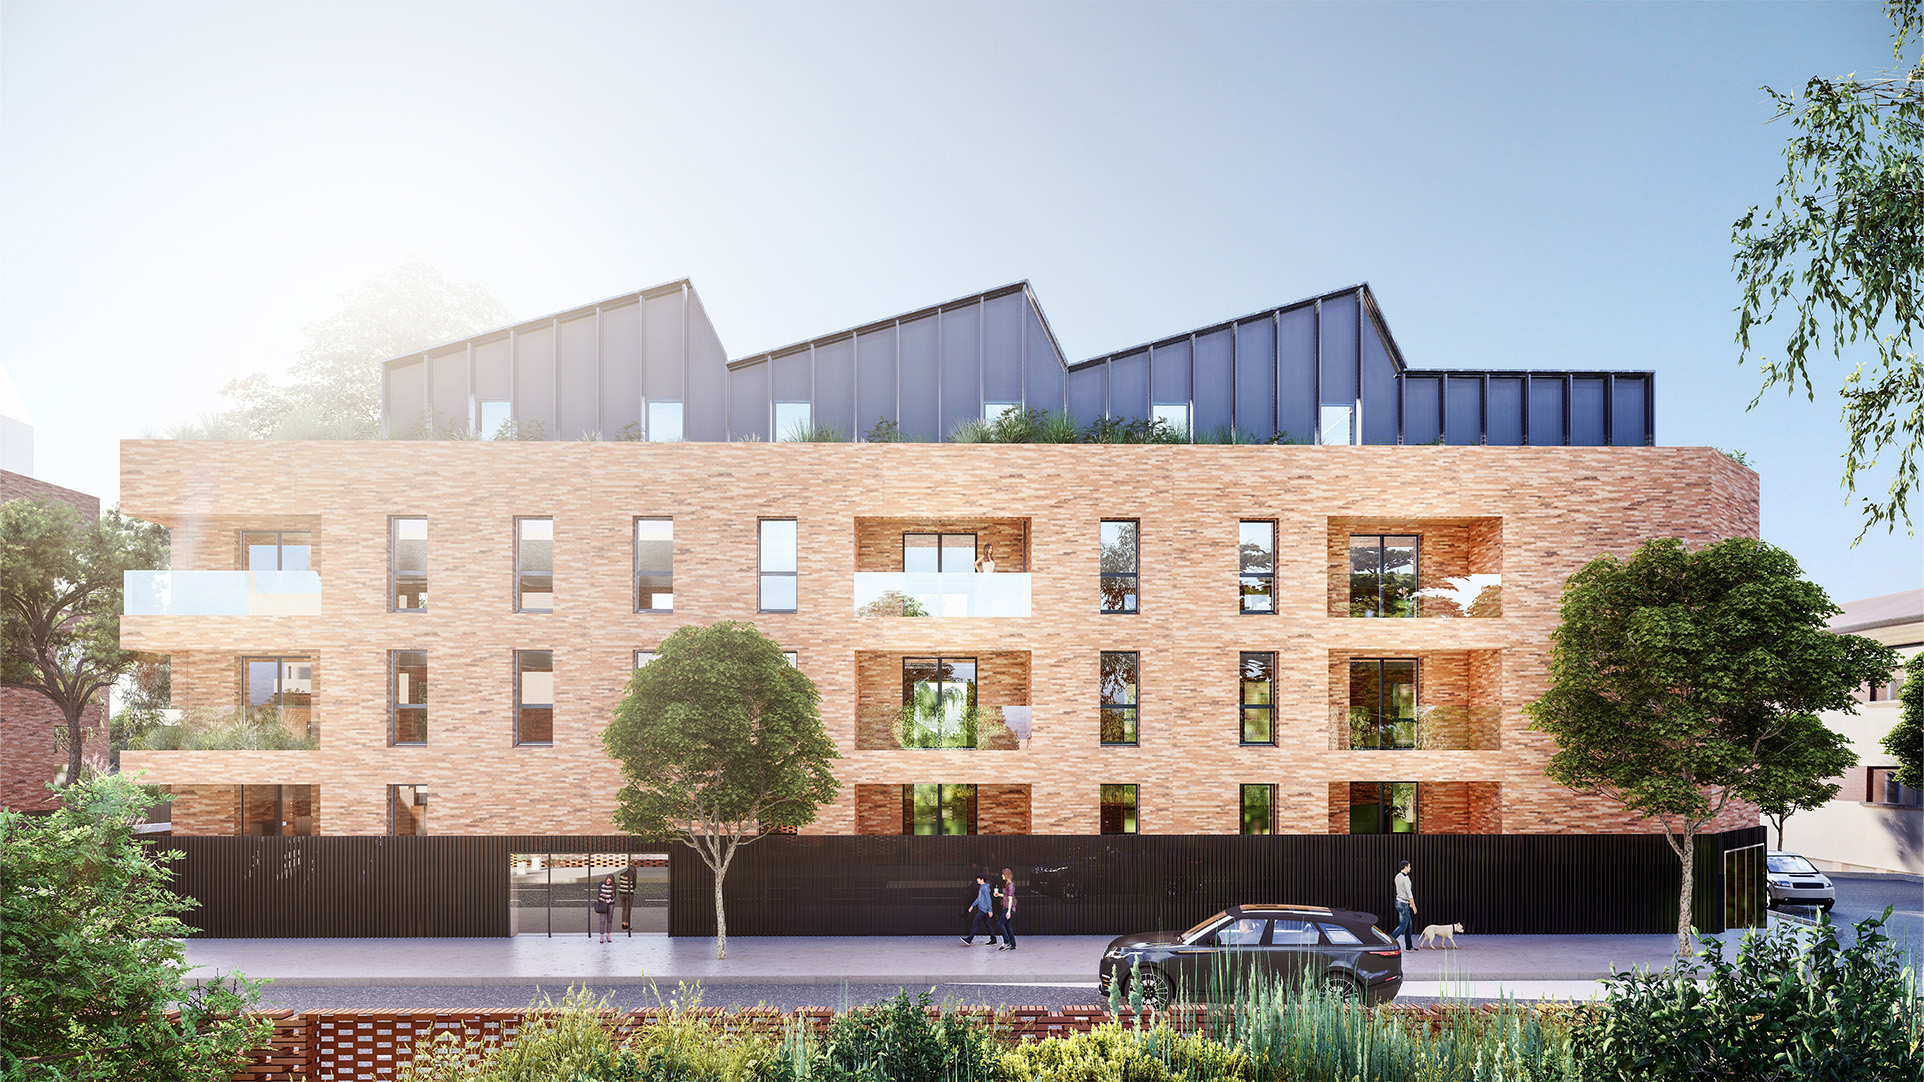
[[1530, 515]]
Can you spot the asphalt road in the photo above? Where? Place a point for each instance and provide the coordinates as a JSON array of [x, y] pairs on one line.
[[1860, 899], [784, 997]]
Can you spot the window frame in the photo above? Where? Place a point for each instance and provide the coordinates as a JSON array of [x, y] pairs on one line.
[[280, 662], [942, 663], [394, 573], [781, 434], [762, 574], [396, 707], [519, 574], [1132, 818], [1268, 789], [1244, 706], [1384, 723], [680, 411], [521, 706], [1243, 577], [1382, 547], [975, 547], [421, 789], [634, 535], [1384, 804], [1131, 709], [974, 822], [1133, 577]]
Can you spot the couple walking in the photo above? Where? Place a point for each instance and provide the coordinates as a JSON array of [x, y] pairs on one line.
[[993, 911]]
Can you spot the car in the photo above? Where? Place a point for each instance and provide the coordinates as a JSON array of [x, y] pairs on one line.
[[1792, 880], [1299, 945]]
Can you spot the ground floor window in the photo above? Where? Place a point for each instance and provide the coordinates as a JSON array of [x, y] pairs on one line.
[[1884, 788], [1259, 809], [407, 810], [553, 893], [1382, 807], [938, 809], [1118, 809]]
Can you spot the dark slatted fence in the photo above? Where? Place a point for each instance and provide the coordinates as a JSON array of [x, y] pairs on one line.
[[1509, 883]]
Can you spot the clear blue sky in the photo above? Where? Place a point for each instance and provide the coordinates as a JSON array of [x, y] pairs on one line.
[[184, 186]]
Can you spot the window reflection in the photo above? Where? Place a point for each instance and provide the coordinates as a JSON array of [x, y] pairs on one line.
[[534, 697], [1382, 703], [1387, 807], [280, 691], [1259, 809], [1118, 814], [410, 683], [534, 564], [410, 546], [938, 809], [1118, 565], [1256, 557], [778, 591], [1382, 575], [654, 565], [1118, 689], [938, 702], [1259, 698]]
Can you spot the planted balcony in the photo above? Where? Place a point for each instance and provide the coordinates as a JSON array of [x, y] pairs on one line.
[[222, 593]]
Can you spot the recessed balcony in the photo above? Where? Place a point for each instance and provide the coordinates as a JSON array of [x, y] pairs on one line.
[[942, 567], [222, 593], [941, 593]]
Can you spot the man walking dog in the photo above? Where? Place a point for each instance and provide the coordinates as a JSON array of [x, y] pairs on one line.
[[1405, 907]]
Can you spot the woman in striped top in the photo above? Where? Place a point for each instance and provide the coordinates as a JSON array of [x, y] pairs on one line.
[[605, 905]]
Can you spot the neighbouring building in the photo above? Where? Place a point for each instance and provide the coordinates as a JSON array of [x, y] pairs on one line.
[[1322, 612], [1874, 824]]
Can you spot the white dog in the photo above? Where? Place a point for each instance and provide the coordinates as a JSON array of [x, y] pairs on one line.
[[1445, 933]]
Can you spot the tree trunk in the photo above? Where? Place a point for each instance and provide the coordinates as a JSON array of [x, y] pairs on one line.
[[721, 917], [74, 734], [1688, 854]]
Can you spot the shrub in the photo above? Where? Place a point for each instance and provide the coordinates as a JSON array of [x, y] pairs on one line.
[[1794, 1006], [1112, 1053], [895, 1040], [221, 731]]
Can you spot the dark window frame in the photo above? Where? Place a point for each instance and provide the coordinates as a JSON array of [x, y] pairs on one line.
[[394, 798], [762, 574], [280, 549], [975, 546], [1131, 710], [1244, 577], [396, 708], [1244, 707], [1129, 601], [519, 574], [1384, 804], [1269, 797], [974, 806], [634, 537], [396, 577], [280, 686], [942, 664], [1878, 783], [1385, 724], [1382, 546], [521, 706], [1128, 814]]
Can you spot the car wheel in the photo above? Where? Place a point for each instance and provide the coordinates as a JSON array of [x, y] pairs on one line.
[[1070, 890], [1342, 988], [1156, 991], [1826, 905]]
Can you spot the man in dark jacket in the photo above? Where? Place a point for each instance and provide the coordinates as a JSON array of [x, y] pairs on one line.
[[981, 912]]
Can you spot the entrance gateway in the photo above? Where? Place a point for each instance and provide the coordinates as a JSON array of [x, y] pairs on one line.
[[553, 893]]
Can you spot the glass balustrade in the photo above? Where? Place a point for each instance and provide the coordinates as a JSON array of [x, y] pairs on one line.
[[222, 593], [941, 593]]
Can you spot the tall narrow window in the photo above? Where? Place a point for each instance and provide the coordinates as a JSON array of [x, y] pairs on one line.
[[1259, 809], [1119, 696], [534, 697], [938, 552], [534, 565], [1118, 809], [1119, 565], [1256, 556], [407, 810], [664, 422], [938, 809], [654, 565], [778, 560], [410, 684], [1382, 807], [280, 691], [938, 702], [409, 545], [1382, 575], [1382, 703], [1259, 698], [792, 421]]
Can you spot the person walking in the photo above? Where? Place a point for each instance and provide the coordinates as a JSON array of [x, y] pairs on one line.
[[981, 918], [1405, 907], [626, 885], [1005, 912], [605, 905]]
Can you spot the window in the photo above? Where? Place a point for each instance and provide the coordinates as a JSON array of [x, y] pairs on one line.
[[792, 420], [1174, 415], [778, 585], [1259, 809], [1119, 565], [1118, 809], [534, 697], [1382, 807], [938, 702], [1119, 696], [938, 552], [938, 809], [278, 550], [1382, 575], [1259, 698], [1256, 558], [793, 657], [1886, 789], [643, 657], [1335, 425], [407, 810], [496, 416], [409, 679], [1241, 932], [1294, 933], [1382, 703], [993, 411], [654, 565], [280, 690], [534, 565], [408, 542], [664, 422]]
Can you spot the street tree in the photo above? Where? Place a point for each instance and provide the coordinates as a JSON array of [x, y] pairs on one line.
[[1682, 681], [92, 953], [720, 741], [1842, 246], [60, 603], [1791, 776], [1905, 741]]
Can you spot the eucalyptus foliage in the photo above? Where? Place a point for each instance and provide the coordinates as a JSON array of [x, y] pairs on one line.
[[719, 739], [1842, 247], [91, 957], [1681, 681]]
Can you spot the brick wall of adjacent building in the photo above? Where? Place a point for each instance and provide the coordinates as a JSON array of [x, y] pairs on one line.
[[1532, 515]]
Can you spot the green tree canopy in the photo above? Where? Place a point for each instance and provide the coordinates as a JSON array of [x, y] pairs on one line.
[[1905, 741], [1681, 681], [1791, 773], [720, 739], [60, 603], [1843, 247], [91, 957]]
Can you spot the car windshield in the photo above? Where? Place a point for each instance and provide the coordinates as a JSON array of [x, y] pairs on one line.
[[1791, 863], [1206, 924]]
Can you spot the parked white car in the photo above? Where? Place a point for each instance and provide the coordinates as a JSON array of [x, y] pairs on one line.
[[1792, 880]]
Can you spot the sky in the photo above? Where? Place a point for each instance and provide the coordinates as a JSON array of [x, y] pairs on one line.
[[184, 187]]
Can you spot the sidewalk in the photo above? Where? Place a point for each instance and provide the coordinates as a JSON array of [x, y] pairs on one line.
[[1513, 962]]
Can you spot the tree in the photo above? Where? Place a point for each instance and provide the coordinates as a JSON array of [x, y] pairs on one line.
[[60, 602], [720, 740], [1843, 246], [336, 393], [1905, 741], [91, 954], [1791, 778], [1682, 681]]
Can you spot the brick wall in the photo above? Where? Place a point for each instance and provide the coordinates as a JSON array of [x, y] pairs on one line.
[[1002, 809], [1535, 514]]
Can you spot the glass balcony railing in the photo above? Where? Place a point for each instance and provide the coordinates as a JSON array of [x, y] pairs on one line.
[[941, 593], [222, 593]]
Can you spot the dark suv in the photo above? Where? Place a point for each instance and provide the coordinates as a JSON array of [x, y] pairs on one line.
[[1339, 949]]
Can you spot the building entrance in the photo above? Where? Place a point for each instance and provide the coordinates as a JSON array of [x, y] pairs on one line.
[[553, 893]]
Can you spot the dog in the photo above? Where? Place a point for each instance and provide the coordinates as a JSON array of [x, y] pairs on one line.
[[1440, 933]]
